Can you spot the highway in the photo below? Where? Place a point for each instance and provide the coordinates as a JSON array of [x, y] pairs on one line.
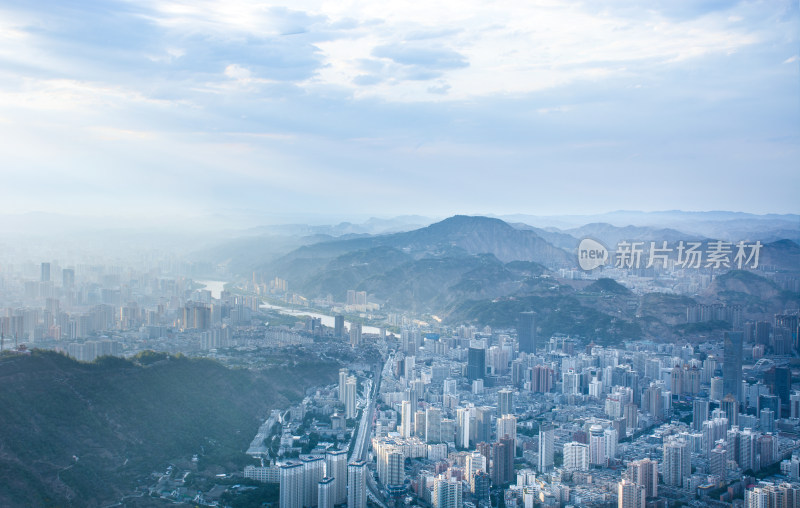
[[361, 445]]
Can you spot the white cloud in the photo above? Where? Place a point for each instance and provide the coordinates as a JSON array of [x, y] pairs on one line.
[[237, 72], [53, 95], [312, 97], [508, 47], [519, 47]]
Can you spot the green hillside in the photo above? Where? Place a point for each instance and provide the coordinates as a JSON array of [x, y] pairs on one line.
[[308, 267], [77, 434], [757, 295], [559, 313]]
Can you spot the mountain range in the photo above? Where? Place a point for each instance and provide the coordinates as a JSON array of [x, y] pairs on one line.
[[484, 270], [254, 248]]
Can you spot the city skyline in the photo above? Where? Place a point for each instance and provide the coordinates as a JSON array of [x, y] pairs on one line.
[[160, 109]]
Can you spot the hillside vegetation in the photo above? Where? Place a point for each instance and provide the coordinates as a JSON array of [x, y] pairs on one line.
[[78, 434]]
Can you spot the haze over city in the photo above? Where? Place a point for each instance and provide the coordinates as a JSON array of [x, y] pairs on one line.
[[357, 254]]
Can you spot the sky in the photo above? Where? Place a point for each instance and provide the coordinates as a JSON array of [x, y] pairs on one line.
[[244, 109]]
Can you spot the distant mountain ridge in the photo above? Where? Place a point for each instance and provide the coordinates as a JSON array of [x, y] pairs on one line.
[[256, 248], [457, 239], [472, 235]]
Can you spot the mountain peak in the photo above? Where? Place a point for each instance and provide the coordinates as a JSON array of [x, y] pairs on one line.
[[461, 221]]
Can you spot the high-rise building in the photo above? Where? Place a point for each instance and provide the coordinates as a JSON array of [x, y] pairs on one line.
[[653, 401], [405, 419], [356, 484], [526, 332], [699, 413], [677, 461], [463, 420], [597, 446], [196, 316], [433, 425], [772, 402], [770, 495], [716, 392], [507, 427], [760, 331], [336, 468], [338, 326], [406, 344], [611, 438], [730, 405], [541, 378], [631, 414], [446, 493], [505, 402], [644, 472], [419, 424], [68, 278], [794, 405], [325, 493], [546, 447], [576, 456], [291, 485], [343, 373], [483, 424], [630, 495], [390, 460], [448, 430], [714, 430], [732, 365], [409, 364], [767, 445], [450, 386], [476, 363], [479, 486], [718, 461], [570, 382], [475, 462], [502, 461], [313, 473], [45, 272], [351, 397], [783, 385], [790, 323], [748, 451], [355, 334]]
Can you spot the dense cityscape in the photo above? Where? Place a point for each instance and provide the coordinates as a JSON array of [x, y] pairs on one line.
[[454, 416], [448, 254]]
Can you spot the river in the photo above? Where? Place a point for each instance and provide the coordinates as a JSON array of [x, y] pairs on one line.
[[326, 320], [217, 286]]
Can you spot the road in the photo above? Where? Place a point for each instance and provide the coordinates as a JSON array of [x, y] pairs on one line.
[[361, 446]]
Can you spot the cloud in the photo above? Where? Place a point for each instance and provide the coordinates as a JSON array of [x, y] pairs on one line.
[[421, 56], [367, 80], [403, 99], [439, 89], [480, 49], [237, 72]]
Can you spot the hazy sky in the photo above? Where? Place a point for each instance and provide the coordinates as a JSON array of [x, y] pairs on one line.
[[158, 107]]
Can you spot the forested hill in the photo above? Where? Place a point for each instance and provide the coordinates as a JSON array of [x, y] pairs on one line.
[[78, 434]]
